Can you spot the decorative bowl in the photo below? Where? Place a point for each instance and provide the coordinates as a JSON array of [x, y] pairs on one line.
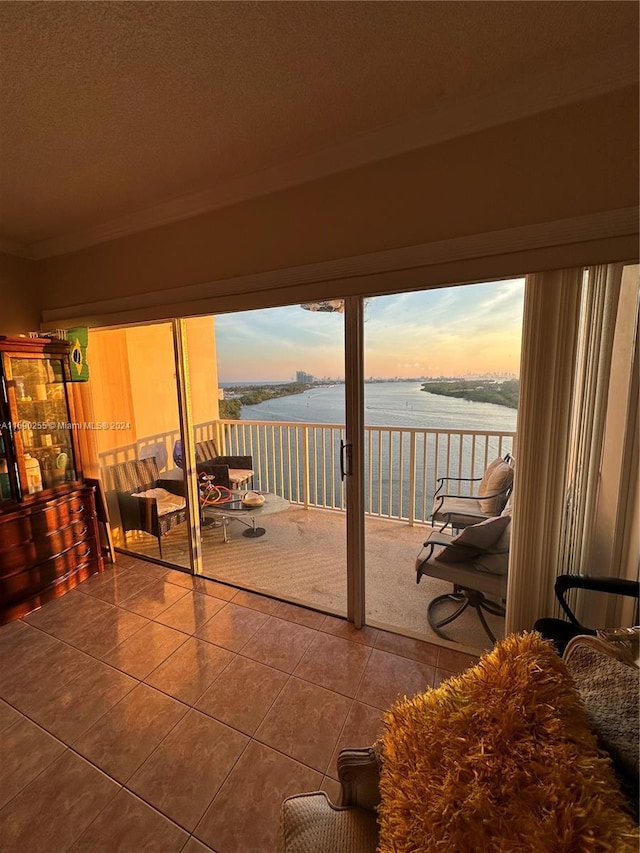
[[252, 499]]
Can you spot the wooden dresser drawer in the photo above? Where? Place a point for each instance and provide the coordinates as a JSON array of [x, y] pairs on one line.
[[42, 521], [47, 548], [24, 555], [37, 580]]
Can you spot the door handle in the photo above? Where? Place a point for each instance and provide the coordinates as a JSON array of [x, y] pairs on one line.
[[345, 455]]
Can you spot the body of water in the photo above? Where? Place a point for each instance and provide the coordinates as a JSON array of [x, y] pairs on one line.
[[281, 464], [390, 404]]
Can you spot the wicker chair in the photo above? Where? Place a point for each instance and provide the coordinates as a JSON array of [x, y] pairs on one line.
[[149, 513], [240, 467]]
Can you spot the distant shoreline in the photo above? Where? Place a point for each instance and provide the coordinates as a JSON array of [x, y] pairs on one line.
[[498, 392], [478, 391]]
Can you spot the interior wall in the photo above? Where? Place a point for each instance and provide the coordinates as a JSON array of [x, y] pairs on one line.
[[568, 162], [203, 369], [152, 375], [20, 306], [132, 384], [110, 387]]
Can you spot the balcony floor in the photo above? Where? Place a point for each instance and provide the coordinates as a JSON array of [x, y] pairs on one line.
[[302, 558]]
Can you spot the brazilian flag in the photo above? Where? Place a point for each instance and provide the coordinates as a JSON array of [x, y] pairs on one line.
[[78, 338]]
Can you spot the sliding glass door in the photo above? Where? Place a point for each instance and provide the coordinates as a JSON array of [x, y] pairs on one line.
[[267, 393], [340, 416], [440, 400], [135, 400]]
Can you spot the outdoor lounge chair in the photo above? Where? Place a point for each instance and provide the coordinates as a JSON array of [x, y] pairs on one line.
[[476, 562], [461, 510], [145, 500]]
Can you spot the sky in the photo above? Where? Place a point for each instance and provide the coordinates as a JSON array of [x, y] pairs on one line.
[[455, 331]]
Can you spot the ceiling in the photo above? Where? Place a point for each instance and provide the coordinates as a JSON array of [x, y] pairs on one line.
[[117, 116]]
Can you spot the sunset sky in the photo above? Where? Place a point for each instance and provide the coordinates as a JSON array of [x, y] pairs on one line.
[[472, 329]]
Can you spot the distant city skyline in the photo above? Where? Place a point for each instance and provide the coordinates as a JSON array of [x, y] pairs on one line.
[[472, 330], [304, 378]]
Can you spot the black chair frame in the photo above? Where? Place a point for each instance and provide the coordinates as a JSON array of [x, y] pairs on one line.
[[561, 631], [440, 497]]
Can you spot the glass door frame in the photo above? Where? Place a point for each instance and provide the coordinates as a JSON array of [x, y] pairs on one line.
[[185, 423], [354, 432], [353, 455], [353, 458]]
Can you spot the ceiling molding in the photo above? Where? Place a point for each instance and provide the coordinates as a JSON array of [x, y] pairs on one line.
[[550, 87], [200, 298]]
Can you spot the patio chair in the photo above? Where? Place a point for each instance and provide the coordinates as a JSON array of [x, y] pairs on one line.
[[145, 500], [240, 467], [460, 510], [476, 562], [561, 631]]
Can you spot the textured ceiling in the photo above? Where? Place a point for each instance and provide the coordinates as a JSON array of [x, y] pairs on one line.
[[109, 108]]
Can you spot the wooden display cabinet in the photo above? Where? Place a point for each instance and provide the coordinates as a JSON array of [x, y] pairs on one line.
[[49, 539]]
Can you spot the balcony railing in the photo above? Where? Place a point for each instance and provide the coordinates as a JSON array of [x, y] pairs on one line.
[[301, 461], [402, 464]]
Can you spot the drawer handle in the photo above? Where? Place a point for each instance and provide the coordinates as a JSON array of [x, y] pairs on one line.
[[77, 511], [86, 553], [84, 530]]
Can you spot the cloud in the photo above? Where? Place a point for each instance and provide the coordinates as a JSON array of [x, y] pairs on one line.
[[465, 328]]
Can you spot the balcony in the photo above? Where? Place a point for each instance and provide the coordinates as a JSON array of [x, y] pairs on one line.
[[302, 558]]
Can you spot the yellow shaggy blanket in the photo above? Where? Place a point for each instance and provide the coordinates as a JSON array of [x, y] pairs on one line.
[[499, 759]]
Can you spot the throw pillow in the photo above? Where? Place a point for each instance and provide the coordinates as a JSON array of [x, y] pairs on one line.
[[499, 759], [474, 540], [609, 688], [497, 477], [493, 564]]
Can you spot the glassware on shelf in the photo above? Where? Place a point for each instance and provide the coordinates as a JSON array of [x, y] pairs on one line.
[[34, 476], [43, 448], [5, 486]]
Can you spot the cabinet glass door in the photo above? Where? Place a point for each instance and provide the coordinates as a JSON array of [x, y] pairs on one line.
[[5, 462], [42, 423]]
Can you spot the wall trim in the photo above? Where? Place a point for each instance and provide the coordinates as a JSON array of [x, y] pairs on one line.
[[197, 298], [551, 86]]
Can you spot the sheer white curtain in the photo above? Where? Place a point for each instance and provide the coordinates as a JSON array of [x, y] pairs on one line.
[[568, 336], [600, 296], [549, 337], [614, 539]]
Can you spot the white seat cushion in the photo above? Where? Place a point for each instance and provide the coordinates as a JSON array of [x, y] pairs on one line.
[[240, 474], [166, 501]]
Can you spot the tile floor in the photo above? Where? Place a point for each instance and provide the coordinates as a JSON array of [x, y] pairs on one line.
[[147, 710]]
